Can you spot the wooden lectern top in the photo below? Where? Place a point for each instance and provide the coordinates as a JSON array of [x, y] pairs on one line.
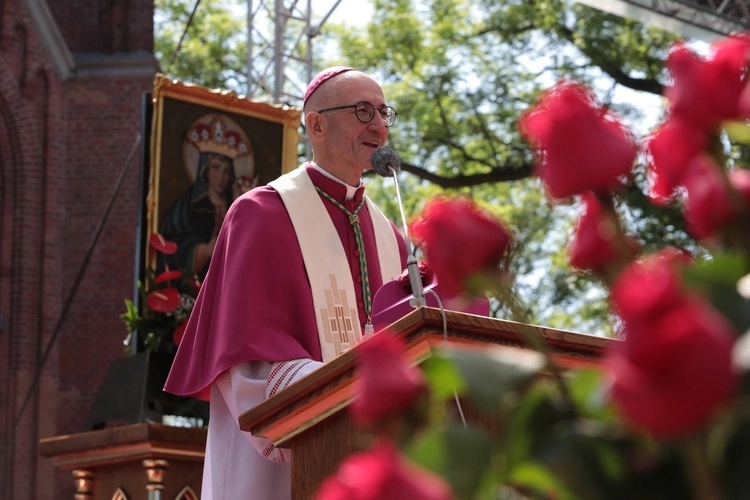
[[329, 389]]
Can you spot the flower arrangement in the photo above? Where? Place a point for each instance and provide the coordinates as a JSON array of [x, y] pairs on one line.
[[167, 297], [666, 413]]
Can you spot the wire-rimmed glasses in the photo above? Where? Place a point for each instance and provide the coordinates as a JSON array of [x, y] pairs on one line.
[[364, 111]]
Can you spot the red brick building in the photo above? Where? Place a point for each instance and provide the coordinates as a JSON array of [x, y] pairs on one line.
[[72, 79]]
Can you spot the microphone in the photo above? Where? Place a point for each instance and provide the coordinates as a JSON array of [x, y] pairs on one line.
[[386, 163]]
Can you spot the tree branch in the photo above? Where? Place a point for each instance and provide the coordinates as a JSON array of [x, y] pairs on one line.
[[505, 174]]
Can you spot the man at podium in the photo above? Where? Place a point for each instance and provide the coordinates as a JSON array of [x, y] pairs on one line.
[[290, 283]]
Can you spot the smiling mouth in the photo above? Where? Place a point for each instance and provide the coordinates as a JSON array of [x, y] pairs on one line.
[[371, 144]]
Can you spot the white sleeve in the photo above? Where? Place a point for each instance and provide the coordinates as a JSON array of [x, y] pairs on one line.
[[285, 373], [246, 385]]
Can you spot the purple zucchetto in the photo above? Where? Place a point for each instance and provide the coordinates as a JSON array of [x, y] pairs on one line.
[[322, 77]]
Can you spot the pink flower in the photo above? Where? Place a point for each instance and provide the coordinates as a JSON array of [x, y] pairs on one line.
[[707, 91], [460, 240], [159, 243], [739, 178], [386, 384], [709, 204], [164, 300], [672, 147], [649, 286], [382, 474], [669, 376], [743, 106], [598, 242], [674, 368], [579, 146]]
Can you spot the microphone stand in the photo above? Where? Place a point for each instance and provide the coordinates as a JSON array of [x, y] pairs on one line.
[[412, 266]]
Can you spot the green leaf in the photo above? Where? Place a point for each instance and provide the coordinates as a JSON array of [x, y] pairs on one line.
[[462, 456], [717, 280], [725, 268], [536, 413], [737, 463], [589, 464], [536, 477], [588, 392], [495, 377], [131, 316], [443, 377], [738, 132]]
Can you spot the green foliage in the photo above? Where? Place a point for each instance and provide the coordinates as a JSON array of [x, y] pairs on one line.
[[460, 73], [460, 455], [716, 279], [153, 331], [213, 52], [523, 436]]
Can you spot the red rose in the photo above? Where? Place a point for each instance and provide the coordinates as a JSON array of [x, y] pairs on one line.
[[649, 286], [709, 205], [164, 300], [579, 145], [386, 383], [743, 106], [382, 473], [598, 242], [707, 91], [670, 376], [460, 240], [739, 178], [672, 147]]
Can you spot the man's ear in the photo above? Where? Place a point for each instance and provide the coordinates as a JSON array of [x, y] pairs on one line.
[[314, 123]]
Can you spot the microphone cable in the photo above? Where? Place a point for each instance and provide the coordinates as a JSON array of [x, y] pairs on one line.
[[447, 348]]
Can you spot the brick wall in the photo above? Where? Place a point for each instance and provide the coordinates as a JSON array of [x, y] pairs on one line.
[[64, 142]]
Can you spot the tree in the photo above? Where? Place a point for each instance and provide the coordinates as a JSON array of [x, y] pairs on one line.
[[211, 39], [461, 73], [464, 73]]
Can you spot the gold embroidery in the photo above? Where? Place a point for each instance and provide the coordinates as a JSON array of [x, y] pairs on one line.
[[339, 320]]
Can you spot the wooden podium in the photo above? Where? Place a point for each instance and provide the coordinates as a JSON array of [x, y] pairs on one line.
[[307, 417]]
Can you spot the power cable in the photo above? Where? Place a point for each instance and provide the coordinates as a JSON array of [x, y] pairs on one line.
[[182, 37]]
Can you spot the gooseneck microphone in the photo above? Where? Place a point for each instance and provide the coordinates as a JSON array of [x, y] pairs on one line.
[[386, 163]]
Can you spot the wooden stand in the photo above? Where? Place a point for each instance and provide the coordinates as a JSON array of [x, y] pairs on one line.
[[307, 417], [140, 461]]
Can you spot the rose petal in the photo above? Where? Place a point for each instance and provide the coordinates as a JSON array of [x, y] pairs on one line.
[[579, 146], [382, 473], [460, 240], [386, 383], [676, 378], [598, 242], [709, 205]]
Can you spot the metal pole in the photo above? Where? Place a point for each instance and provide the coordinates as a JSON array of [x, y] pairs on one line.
[[278, 84], [249, 91]]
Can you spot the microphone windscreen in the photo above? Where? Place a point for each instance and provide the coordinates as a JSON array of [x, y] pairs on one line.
[[383, 160]]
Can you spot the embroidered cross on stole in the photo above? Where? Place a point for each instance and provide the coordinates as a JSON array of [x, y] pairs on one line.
[[326, 263]]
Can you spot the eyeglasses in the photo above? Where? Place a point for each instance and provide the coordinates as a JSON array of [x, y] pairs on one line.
[[364, 111]]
